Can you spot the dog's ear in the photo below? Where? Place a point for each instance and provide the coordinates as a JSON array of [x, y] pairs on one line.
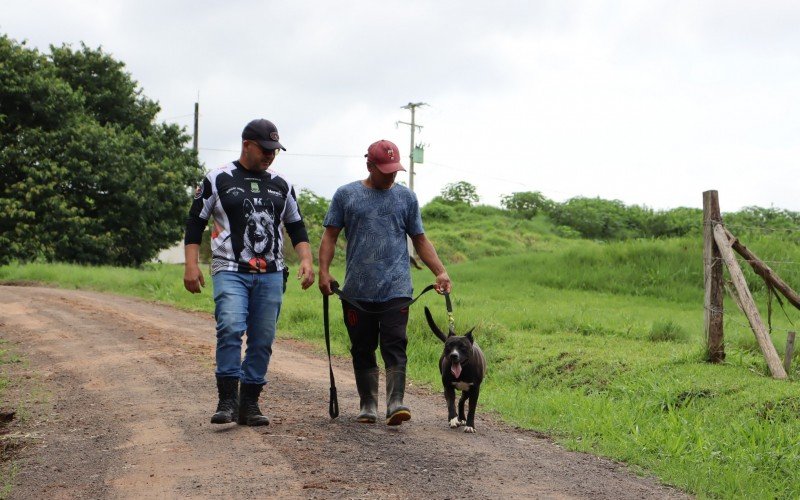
[[469, 335], [248, 207], [432, 325]]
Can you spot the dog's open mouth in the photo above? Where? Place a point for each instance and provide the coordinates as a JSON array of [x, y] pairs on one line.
[[455, 369]]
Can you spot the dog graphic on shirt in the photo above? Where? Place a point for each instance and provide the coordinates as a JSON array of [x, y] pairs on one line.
[[258, 235]]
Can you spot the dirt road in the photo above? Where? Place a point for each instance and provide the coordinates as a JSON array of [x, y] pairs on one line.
[[128, 390]]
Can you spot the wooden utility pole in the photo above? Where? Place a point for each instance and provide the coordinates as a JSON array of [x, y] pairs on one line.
[[712, 274], [196, 123], [413, 107], [749, 305]]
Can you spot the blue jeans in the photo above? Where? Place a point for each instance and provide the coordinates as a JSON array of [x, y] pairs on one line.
[[246, 303]]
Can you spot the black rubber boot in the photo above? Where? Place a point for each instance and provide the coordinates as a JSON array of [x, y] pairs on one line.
[[396, 413], [367, 384], [228, 406], [249, 412]]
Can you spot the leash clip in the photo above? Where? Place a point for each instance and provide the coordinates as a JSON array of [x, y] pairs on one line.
[[451, 322]]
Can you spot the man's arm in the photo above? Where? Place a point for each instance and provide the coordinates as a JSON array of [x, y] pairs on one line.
[[306, 271], [428, 254], [327, 249], [192, 275]]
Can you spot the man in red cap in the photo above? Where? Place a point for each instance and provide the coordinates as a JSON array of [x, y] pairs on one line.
[[377, 215]]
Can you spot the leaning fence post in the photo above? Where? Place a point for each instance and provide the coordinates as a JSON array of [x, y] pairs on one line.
[[712, 276], [787, 359], [750, 309]]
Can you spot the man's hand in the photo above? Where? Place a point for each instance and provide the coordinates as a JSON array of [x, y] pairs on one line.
[[306, 274], [443, 284], [325, 280], [193, 279]]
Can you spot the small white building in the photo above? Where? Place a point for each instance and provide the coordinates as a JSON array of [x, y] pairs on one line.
[[172, 255]]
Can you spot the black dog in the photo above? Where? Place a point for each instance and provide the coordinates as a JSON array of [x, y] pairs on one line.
[[463, 367]]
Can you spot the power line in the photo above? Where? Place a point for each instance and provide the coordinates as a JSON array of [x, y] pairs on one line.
[[176, 117], [316, 155]]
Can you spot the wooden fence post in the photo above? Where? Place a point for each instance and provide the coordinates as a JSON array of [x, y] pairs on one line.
[[750, 309], [787, 359], [712, 276]]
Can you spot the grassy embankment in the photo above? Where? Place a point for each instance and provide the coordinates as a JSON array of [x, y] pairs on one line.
[[597, 344]]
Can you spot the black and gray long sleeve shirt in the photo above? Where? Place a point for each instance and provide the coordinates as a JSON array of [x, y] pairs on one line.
[[248, 210]]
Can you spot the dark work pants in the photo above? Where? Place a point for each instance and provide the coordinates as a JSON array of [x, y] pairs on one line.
[[367, 331]]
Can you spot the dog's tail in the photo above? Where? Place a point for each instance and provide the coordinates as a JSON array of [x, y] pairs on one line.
[[433, 326]]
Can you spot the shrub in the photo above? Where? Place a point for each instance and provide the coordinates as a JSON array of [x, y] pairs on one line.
[[667, 331]]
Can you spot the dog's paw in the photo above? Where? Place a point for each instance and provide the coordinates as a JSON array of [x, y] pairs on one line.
[[469, 429], [455, 422]]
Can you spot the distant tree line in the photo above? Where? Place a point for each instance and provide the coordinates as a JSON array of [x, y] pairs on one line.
[[86, 174], [601, 219]]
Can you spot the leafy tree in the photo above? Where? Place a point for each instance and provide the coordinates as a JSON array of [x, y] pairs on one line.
[[86, 175], [460, 192], [594, 217], [110, 95], [675, 222], [313, 208], [764, 218], [438, 209], [527, 204]]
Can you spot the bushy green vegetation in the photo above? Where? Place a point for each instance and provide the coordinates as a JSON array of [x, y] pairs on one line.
[[599, 344], [86, 174]]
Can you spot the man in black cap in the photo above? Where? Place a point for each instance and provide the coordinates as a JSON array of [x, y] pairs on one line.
[[250, 203]]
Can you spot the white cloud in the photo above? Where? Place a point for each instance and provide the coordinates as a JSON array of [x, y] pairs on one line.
[[647, 102]]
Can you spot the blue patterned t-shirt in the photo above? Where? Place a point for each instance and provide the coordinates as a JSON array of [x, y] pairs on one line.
[[375, 224]]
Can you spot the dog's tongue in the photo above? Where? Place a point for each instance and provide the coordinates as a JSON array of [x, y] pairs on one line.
[[455, 369]]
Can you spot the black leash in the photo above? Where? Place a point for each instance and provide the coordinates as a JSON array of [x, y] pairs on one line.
[[333, 405], [335, 288]]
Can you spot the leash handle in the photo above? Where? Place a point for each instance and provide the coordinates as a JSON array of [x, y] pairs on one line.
[[333, 405], [451, 322]]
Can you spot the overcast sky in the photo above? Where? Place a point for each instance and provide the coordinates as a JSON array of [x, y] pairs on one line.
[[648, 102]]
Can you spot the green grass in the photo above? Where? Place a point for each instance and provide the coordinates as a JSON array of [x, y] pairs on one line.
[[8, 467], [598, 344]]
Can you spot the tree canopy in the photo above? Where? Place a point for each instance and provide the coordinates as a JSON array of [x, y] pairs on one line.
[[86, 174], [527, 204], [460, 192]]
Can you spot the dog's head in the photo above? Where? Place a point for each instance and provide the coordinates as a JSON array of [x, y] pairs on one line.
[[258, 233], [457, 348]]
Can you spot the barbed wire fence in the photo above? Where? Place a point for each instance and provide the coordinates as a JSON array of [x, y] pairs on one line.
[[720, 246]]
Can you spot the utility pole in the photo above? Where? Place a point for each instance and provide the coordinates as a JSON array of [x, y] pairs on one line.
[[413, 107], [196, 122]]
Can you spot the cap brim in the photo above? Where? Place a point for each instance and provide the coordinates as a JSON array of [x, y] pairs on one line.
[[389, 168], [270, 145]]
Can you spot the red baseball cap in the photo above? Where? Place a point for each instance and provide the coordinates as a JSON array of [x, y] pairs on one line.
[[385, 155]]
